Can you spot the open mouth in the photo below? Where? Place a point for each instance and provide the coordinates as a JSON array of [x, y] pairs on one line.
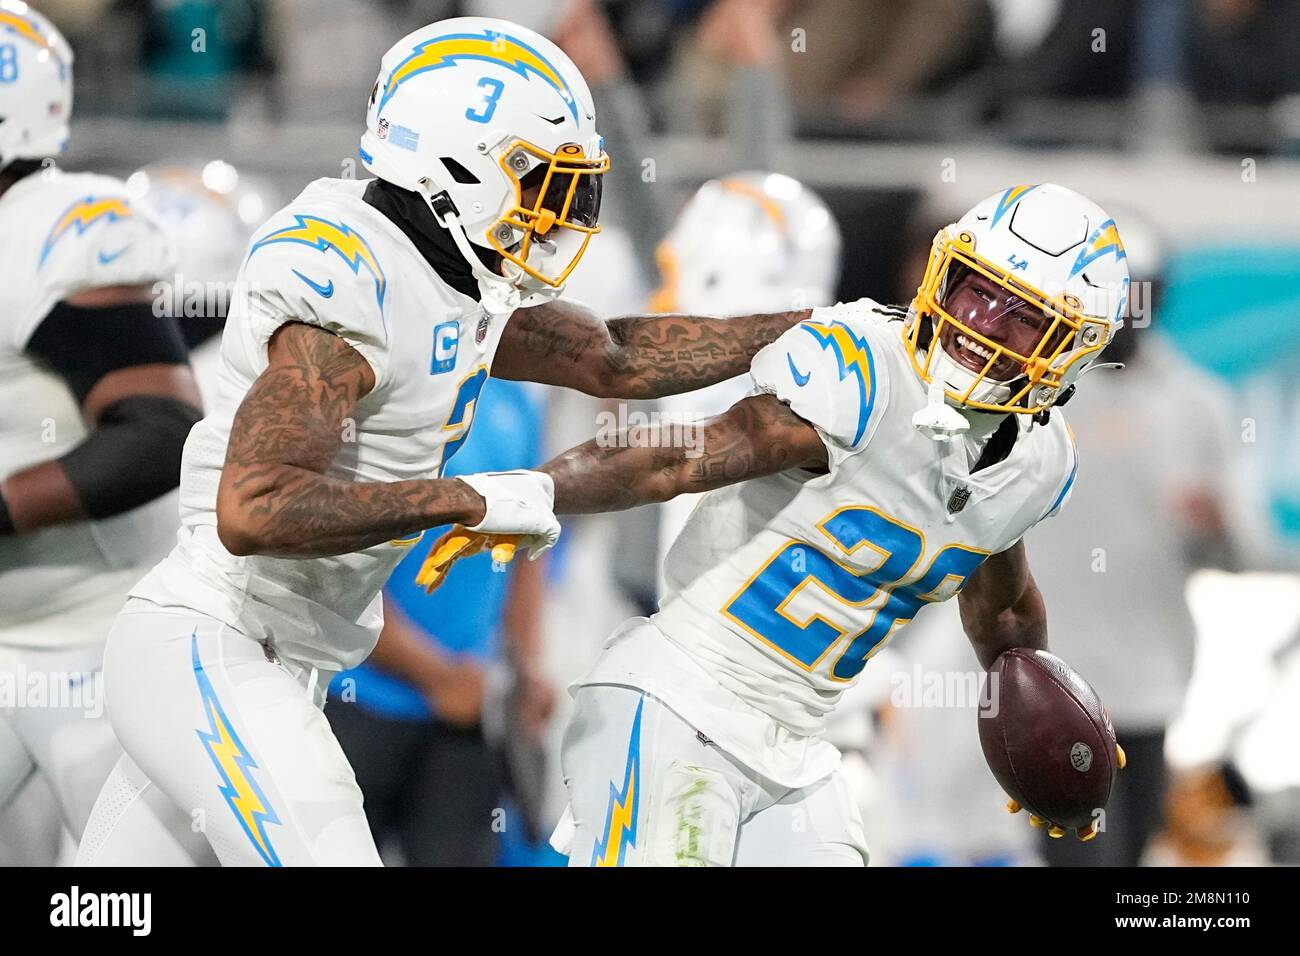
[[975, 356]]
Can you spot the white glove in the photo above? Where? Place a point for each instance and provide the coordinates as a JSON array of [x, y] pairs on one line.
[[519, 503]]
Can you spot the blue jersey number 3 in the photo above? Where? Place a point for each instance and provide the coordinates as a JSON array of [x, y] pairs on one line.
[[762, 606], [489, 105]]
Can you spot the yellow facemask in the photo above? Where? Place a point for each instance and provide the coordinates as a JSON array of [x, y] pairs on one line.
[[1069, 336], [568, 199]]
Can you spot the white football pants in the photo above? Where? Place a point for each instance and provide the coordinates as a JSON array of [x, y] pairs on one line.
[[52, 723], [647, 789], [220, 731]]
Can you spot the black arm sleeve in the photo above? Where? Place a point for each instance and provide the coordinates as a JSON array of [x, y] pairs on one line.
[[83, 345], [132, 456]]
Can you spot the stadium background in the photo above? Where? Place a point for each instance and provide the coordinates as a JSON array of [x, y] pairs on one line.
[[1180, 117]]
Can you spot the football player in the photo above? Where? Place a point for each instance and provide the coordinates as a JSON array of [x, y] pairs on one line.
[[370, 314], [96, 399], [886, 459]]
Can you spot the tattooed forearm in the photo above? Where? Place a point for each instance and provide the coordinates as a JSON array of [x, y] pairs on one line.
[[755, 437], [645, 356], [274, 498]]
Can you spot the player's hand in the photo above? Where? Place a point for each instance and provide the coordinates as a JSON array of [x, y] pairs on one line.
[[517, 503], [1083, 833], [459, 543], [517, 514]]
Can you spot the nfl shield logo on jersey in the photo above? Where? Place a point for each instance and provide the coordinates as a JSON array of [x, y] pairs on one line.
[[957, 500]]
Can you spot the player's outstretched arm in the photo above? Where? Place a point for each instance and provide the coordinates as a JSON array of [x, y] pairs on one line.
[[757, 436], [1001, 606], [275, 498], [642, 356]]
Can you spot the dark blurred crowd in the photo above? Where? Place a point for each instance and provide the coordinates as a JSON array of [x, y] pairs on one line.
[[1218, 74]]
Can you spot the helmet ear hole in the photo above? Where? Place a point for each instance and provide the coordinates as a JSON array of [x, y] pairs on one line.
[[459, 172]]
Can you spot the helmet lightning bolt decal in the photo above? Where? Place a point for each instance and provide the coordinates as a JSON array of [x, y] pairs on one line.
[[621, 817], [233, 762], [1105, 239], [1008, 200], [80, 216], [514, 55], [24, 28]]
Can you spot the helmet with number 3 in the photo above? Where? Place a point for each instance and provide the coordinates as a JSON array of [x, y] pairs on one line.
[[1020, 294], [35, 85], [495, 126]]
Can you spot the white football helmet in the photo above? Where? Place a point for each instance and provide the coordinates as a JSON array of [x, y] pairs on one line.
[[1045, 246], [35, 85], [752, 242], [208, 210], [495, 126]]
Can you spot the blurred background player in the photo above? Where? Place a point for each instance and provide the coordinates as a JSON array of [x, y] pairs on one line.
[[209, 211], [424, 721], [96, 399], [746, 242]]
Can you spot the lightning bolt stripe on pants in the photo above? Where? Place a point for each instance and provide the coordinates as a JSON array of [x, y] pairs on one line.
[[234, 765], [621, 817]]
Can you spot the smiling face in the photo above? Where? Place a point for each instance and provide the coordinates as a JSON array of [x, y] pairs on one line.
[[1001, 316]]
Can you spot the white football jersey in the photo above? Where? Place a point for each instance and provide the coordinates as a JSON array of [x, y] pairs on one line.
[[779, 589], [63, 233], [330, 259]]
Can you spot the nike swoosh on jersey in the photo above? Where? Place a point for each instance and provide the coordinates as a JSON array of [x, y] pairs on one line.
[[800, 378], [324, 291], [105, 258]]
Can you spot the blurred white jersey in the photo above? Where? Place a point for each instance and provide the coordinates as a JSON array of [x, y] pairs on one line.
[[330, 259], [62, 233], [781, 588]]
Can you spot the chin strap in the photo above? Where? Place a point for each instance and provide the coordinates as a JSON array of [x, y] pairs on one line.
[[937, 420], [499, 296]]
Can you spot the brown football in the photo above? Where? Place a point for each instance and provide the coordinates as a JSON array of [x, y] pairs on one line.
[[1047, 737]]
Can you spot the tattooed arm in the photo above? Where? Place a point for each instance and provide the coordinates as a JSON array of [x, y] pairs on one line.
[[643, 356], [757, 436], [274, 497]]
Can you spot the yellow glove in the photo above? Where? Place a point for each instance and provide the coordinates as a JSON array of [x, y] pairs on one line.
[[1083, 833], [459, 543]]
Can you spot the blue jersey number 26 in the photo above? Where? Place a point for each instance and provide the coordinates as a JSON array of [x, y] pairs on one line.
[[762, 606]]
